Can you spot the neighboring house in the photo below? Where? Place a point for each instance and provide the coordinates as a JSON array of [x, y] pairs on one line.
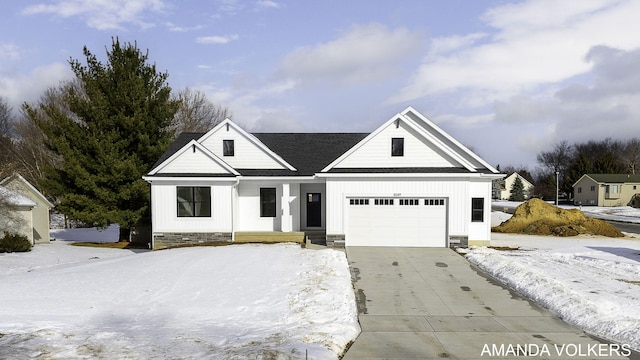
[[16, 215], [39, 222], [408, 183], [606, 189], [502, 188]]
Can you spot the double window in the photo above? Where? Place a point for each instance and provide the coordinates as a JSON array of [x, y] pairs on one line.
[[194, 201], [267, 202]]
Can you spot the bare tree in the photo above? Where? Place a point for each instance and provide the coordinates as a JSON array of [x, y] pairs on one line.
[[6, 139], [559, 159], [631, 155], [197, 113]]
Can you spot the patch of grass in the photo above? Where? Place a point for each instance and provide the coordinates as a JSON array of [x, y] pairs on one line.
[[503, 248]]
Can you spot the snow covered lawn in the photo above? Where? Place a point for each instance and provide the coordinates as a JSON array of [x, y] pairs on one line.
[[234, 302], [591, 282]]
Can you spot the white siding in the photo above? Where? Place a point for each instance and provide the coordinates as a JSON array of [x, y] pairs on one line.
[[480, 230], [417, 152], [165, 215], [193, 160], [458, 191], [247, 155], [441, 136]]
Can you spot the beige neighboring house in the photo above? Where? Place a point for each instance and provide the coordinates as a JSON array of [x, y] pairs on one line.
[[505, 185], [606, 189], [25, 196]]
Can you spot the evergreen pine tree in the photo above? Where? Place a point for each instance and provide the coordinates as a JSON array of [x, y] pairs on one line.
[[116, 127], [517, 190]]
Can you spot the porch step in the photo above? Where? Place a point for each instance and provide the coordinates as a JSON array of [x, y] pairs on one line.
[[316, 237], [268, 237]]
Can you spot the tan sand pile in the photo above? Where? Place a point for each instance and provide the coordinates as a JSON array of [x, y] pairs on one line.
[[536, 217]]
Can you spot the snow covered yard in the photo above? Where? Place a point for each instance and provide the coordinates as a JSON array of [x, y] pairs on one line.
[[591, 282], [233, 302]]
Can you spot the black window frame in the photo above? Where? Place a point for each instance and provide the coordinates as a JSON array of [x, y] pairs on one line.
[[197, 200], [228, 148], [397, 146], [477, 209], [268, 202]]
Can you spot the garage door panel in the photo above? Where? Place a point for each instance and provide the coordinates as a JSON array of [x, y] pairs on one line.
[[418, 223]]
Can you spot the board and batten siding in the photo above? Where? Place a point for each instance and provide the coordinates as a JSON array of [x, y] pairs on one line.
[[479, 188], [458, 191], [249, 218], [165, 210], [247, 155], [376, 152]]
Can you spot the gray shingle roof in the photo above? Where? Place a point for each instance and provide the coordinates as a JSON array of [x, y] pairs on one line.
[[309, 153], [615, 178]]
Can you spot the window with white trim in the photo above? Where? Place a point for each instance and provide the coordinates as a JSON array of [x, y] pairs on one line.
[[397, 146], [477, 209]]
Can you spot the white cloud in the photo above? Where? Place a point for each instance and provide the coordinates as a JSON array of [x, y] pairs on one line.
[[176, 28], [536, 42], [267, 4], [9, 51], [20, 88], [252, 105], [608, 107], [363, 54], [101, 14], [216, 39]]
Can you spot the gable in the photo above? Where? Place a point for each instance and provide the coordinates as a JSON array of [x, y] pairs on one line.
[[418, 151], [427, 148], [193, 158], [509, 180], [249, 152], [19, 184]]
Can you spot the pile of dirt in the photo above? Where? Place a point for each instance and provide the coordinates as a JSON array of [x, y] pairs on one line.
[[536, 217]]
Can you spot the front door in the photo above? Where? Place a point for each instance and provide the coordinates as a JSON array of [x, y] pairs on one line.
[[314, 210]]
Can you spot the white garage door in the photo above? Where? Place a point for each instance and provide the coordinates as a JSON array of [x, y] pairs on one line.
[[411, 222]]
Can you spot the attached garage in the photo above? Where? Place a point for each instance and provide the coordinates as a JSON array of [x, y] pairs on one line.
[[407, 222]]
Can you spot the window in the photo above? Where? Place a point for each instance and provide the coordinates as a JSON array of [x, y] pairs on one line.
[[194, 201], [383, 202], [358, 201], [593, 188], [409, 202], [397, 147], [477, 209], [267, 202], [228, 148], [579, 190]]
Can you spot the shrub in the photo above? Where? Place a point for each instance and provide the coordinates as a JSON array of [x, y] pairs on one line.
[[14, 243]]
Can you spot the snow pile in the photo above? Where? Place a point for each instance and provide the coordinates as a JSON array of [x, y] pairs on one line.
[[242, 301], [538, 217], [593, 283]]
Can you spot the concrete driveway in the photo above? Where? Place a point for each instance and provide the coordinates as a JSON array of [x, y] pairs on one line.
[[429, 303]]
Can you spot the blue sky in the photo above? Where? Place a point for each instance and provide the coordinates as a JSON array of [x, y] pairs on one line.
[[506, 78]]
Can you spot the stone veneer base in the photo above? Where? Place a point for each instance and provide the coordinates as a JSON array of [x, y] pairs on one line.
[[166, 240]]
